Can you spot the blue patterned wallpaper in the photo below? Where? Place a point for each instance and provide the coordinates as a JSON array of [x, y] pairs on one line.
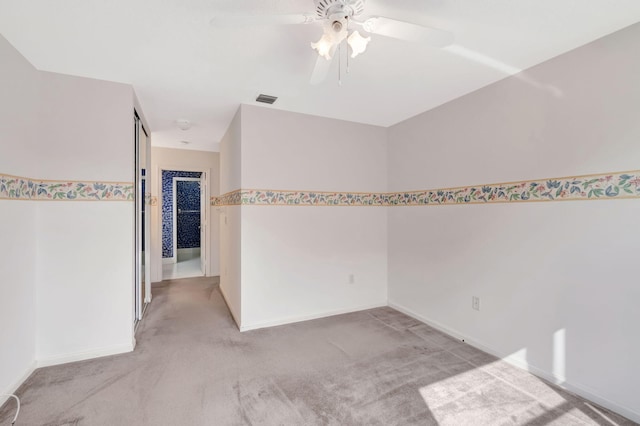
[[188, 204], [167, 208]]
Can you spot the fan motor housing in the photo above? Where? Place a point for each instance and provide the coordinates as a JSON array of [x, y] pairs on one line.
[[346, 8]]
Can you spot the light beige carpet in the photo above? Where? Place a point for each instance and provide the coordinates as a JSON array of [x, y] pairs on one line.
[[379, 367]]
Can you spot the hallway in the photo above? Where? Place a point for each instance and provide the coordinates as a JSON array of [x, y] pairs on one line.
[[379, 367]]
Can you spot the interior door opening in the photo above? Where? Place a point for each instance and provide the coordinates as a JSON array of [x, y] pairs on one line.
[[184, 212]]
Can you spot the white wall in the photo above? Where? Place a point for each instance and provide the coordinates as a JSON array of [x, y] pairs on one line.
[[85, 285], [296, 261], [17, 292], [67, 267], [230, 259], [538, 268], [181, 159], [85, 129], [19, 85], [229, 218], [290, 151], [85, 262], [230, 153]]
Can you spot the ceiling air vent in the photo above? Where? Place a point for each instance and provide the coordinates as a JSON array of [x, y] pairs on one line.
[[266, 99]]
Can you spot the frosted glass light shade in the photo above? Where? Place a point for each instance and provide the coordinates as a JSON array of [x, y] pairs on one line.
[[323, 46], [357, 43]]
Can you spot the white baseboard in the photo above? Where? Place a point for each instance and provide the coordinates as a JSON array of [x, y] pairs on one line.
[[84, 355], [188, 251], [293, 319], [14, 387], [578, 389]]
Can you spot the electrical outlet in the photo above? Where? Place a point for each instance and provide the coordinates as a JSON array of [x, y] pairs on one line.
[[475, 303], [352, 279]]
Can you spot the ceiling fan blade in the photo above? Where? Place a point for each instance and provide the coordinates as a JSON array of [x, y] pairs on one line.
[[320, 70], [407, 31], [226, 21]]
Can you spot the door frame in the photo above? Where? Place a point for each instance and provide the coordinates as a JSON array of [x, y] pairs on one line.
[[175, 212], [205, 246]]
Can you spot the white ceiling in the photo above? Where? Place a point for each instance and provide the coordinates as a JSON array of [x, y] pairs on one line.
[[183, 67]]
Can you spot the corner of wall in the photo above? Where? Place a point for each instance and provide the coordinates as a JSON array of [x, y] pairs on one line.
[[20, 86], [540, 267], [229, 218]]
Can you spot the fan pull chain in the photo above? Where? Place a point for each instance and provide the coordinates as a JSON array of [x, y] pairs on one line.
[[347, 60], [340, 64]]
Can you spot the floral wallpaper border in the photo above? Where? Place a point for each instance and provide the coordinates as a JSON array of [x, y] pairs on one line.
[[233, 198], [22, 188], [617, 185]]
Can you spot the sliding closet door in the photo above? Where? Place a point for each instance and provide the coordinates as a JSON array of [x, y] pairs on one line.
[[142, 234], [144, 218], [146, 259]]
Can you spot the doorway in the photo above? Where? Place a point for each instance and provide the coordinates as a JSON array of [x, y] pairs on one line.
[[184, 212]]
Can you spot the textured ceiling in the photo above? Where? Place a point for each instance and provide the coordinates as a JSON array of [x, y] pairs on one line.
[[181, 66]]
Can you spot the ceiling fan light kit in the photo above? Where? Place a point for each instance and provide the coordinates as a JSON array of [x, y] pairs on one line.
[[338, 17], [326, 8], [357, 43]]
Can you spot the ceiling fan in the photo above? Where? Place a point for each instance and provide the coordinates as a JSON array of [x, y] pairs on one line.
[[341, 21]]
